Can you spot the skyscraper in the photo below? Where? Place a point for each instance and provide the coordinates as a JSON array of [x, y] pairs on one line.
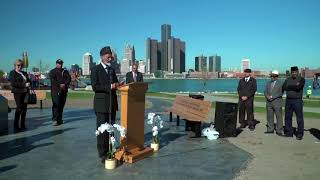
[[152, 55], [25, 59], [125, 66], [165, 36], [215, 63], [245, 64], [115, 63], [129, 54], [87, 64], [176, 55], [201, 63], [170, 54]]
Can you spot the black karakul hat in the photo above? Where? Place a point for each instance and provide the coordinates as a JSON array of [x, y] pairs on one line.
[[59, 61], [294, 68], [105, 50], [247, 71]]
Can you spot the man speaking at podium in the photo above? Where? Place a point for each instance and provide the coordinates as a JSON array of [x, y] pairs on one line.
[[104, 83], [134, 75]]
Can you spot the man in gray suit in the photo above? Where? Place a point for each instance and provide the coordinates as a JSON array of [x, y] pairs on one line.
[[273, 93]]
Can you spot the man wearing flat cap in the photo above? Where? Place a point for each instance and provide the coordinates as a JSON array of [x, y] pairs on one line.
[[293, 86], [273, 94], [60, 80], [247, 88], [104, 83]]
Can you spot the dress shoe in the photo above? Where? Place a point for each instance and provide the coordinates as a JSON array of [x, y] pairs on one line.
[[280, 134], [299, 138], [243, 125], [268, 132], [16, 130], [55, 123], [288, 135], [251, 128], [24, 129]]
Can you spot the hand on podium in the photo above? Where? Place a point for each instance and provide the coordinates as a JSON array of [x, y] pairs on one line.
[[114, 86]]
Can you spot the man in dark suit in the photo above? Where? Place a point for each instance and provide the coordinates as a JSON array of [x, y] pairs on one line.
[[247, 88], [104, 83], [134, 75], [60, 80]]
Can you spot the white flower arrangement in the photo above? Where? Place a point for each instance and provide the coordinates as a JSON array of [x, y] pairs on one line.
[[111, 129], [210, 133], [157, 124]]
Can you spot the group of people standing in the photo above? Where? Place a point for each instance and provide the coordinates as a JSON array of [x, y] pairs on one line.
[[274, 90], [105, 83], [21, 86]]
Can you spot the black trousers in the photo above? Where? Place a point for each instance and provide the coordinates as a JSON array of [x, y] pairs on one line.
[[103, 139], [21, 110], [246, 107], [58, 102], [296, 106]]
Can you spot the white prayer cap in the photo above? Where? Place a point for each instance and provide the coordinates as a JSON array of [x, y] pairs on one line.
[[275, 72]]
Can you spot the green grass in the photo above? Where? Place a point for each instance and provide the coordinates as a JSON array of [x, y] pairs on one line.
[[312, 102], [307, 103], [76, 95], [163, 95]]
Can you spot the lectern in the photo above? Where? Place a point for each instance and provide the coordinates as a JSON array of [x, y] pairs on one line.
[[132, 118]]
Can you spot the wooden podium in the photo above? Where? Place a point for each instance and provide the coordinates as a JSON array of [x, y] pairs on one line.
[[132, 118]]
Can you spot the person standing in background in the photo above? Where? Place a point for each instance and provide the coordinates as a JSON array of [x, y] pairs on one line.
[[20, 84], [294, 89], [60, 80], [247, 88], [273, 94], [316, 84], [134, 75]]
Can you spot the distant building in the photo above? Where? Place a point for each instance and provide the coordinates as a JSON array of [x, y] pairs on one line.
[[167, 55], [87, 64], [129, 54], [309, 73], [201, 63], [176, 55], [245, 64], [125, 66], [115, 63], [215, 63], [153, 55], [142, 66], [207, 75], [165, 36]]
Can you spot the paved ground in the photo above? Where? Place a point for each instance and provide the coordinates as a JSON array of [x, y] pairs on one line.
[[69, 151]]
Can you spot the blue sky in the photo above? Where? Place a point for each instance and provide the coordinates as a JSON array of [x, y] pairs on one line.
[[274, 34]]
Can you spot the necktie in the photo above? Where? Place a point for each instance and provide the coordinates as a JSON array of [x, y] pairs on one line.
[[247, 79], [107, 69], [272, 84], [135, 77]]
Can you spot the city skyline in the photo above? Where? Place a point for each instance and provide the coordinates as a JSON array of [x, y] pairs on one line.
[[272, 34]]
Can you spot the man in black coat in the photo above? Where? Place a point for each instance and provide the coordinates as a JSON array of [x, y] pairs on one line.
[[104, 83], [246, 89], [60, 80], [293, 86], [134, 75]]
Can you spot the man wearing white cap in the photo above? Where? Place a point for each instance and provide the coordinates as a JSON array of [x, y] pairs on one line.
[[273, 93]]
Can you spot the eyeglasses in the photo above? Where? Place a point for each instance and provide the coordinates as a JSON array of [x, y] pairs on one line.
[[18, 65]]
